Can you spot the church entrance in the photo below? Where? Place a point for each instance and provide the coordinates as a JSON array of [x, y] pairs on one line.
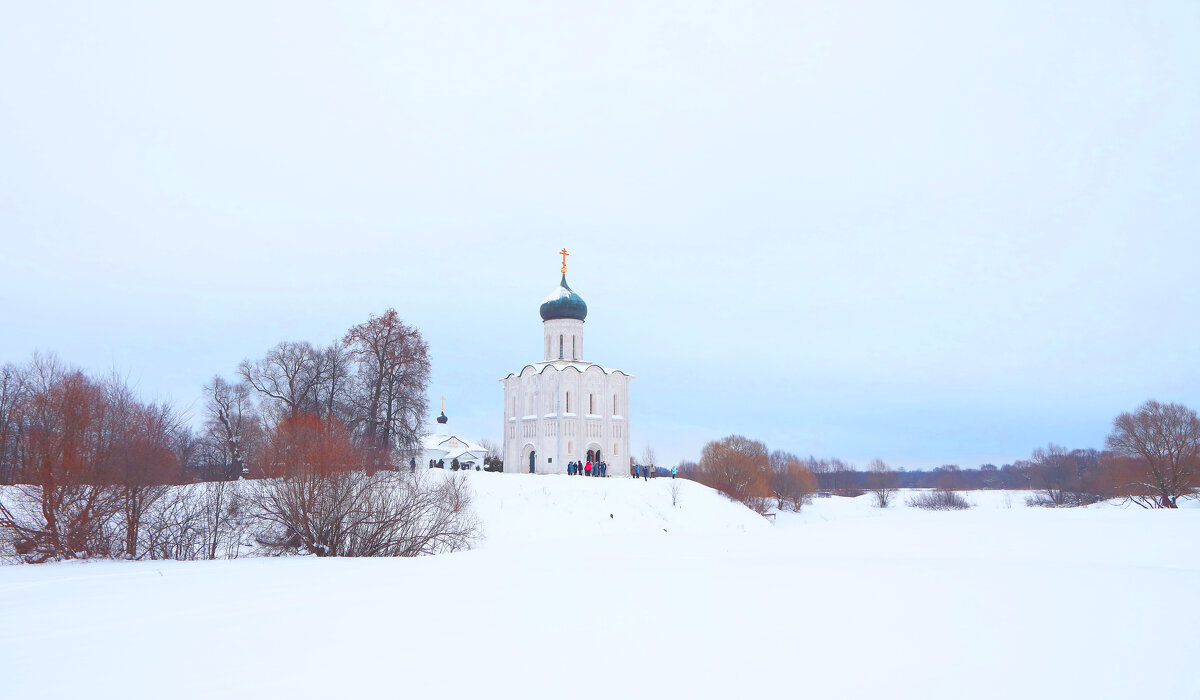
[[593, 456]]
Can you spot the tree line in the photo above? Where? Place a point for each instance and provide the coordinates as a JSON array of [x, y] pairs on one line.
[[1151, 458], [322, 432]]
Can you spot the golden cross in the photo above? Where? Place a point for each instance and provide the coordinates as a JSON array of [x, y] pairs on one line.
[[443, 404], [564, 253]]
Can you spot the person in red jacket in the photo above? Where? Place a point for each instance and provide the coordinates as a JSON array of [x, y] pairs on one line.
[[587, 469]]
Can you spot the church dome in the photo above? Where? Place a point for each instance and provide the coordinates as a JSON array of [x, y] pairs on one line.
[[563, 302]]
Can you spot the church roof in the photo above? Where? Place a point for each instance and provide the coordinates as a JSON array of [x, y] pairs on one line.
[[563, 365], [451, 444], [563, 302]]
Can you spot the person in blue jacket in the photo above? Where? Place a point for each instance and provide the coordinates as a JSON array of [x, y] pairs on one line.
[[674, 471]]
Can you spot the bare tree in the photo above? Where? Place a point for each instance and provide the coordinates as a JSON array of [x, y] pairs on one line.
[[739, 468], [1063, 478], [12, 405], [687, 470], [792, 482], [648, 459], [1165, 439], [233, 423], [141, 459], [882, 482], [334, 385], [391, 379], [65, 508], [289, 374], [494, 458]]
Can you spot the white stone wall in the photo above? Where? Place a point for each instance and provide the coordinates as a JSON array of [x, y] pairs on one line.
[[563, 409]]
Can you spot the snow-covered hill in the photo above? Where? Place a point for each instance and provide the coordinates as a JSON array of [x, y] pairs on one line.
[[519, 508], [697, 600]]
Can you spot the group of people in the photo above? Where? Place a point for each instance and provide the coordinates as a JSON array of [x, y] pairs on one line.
[[587, 468], [645, 471]]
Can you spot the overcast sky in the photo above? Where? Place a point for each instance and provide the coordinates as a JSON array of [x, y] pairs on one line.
[[928, 232]]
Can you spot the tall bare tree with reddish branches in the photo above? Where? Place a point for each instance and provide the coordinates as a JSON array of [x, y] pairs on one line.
[[391, 379], [64, 501]]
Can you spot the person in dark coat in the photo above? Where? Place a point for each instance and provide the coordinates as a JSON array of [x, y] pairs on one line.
[[645, 473]]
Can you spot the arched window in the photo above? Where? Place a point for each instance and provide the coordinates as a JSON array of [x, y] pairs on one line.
[[615, 411], [592, 403], [568, 402]]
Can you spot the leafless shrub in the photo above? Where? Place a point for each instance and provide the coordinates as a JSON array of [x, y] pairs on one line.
[[675, 491], [353, 514], [174, 526], [882, 482], [940, 499], [61, 521]]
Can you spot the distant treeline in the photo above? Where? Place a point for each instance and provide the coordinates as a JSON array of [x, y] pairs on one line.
[[1152, 458], [988, 476]]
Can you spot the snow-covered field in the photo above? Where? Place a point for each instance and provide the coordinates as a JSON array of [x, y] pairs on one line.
[[602, 589]]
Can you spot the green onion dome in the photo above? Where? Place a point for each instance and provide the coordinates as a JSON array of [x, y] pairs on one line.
[[563, 303]]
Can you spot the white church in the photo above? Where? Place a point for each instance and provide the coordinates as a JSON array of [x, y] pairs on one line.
[[565, 409]]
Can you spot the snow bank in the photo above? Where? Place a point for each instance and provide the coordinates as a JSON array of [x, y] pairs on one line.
[[522, 508], [840, 601]]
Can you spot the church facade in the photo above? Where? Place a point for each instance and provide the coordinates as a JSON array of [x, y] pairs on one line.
[[564, 408]]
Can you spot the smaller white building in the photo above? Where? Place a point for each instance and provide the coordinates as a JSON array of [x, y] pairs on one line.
[[446, 448]]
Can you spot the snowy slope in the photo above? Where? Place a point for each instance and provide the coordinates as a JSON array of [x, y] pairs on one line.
[[840, 601], [516, 508]]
